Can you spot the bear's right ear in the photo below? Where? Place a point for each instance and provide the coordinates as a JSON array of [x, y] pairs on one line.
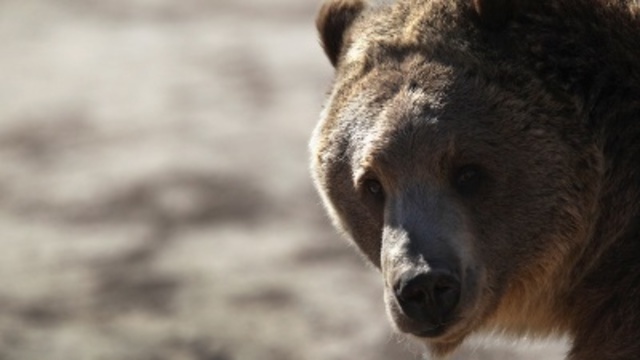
[[334, 19], [494, 14]]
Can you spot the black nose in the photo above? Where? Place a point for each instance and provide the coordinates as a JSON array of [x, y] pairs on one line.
[[428, 298]]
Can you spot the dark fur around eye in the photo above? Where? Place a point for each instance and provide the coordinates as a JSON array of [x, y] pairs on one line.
[[468, 180], [373, 188]]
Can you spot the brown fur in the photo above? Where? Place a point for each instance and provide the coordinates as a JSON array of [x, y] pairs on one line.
[[333, 20], [543, 98]]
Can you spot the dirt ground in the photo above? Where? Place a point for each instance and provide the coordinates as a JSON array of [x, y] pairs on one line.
[[155, 197]]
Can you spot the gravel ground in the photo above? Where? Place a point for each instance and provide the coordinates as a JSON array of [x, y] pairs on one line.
[[156, 202]]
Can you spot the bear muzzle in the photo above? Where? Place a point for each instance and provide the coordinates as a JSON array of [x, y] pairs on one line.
[[427, 266]]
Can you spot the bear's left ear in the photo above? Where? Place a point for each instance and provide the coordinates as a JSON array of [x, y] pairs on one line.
[[334, 19], [494, 14]]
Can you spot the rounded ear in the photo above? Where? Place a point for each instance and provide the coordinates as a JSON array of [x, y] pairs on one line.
[[334, 19], [494, 14]]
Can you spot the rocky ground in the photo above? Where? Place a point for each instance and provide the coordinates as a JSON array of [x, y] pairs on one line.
[[155, 198]]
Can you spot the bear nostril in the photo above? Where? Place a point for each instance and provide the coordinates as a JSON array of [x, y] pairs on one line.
[[446, 296], [414, 294]]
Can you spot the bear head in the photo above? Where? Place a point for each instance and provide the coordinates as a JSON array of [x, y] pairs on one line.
[[456, 170]]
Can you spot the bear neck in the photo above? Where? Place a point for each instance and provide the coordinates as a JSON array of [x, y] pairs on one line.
[[592, 53]]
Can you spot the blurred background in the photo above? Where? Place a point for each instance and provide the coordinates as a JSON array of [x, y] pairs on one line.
[[155, 201]]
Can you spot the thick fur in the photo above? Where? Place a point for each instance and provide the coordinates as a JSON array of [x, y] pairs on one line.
[[544, 98]]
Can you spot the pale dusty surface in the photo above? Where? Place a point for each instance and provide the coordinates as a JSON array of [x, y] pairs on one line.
[[156, 202]]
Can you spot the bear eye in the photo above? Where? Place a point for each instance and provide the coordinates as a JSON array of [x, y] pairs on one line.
[[468, 180], [373, 187]]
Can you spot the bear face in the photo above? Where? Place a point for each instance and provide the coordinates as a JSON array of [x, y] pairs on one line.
[[454, 167]]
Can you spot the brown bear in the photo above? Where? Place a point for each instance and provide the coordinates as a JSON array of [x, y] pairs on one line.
[[485, 156]]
